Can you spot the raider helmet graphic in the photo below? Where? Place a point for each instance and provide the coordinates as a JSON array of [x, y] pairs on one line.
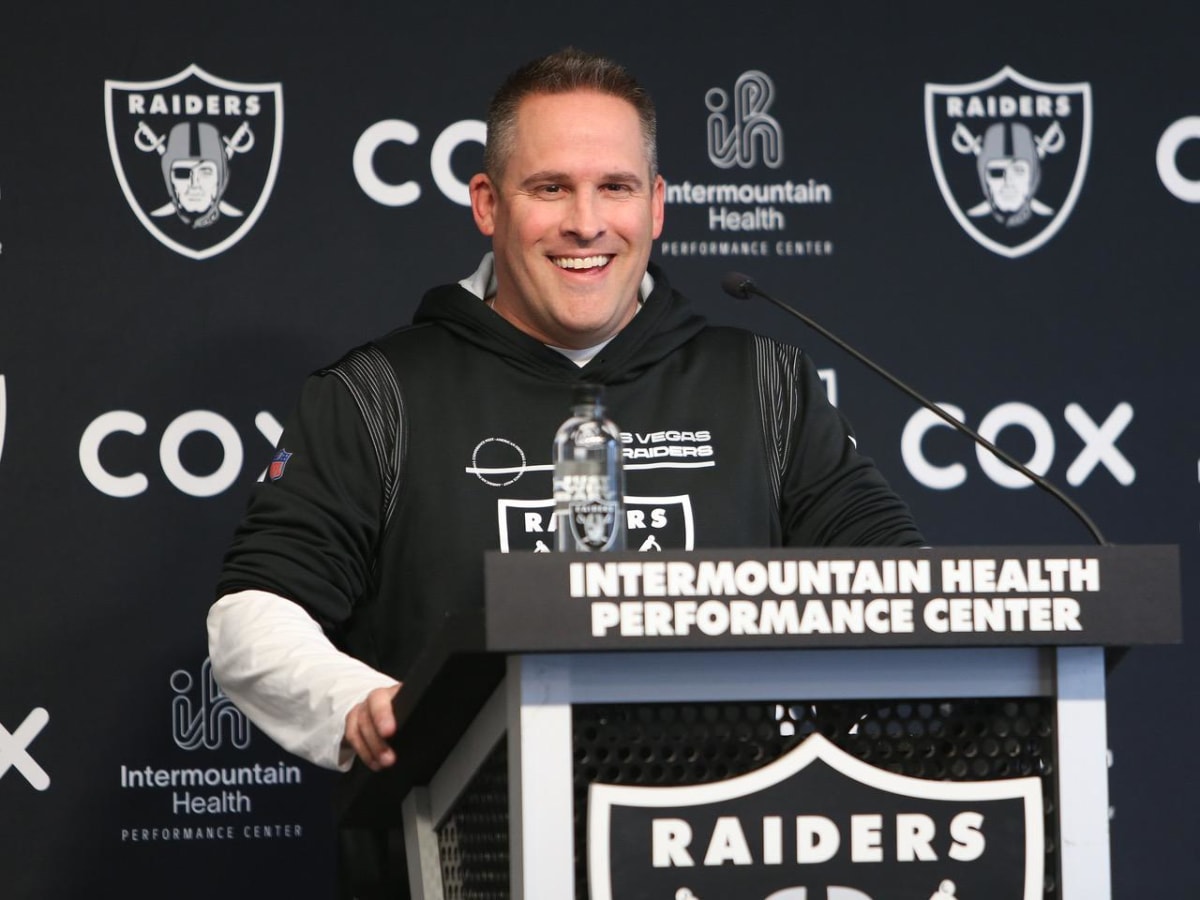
[[196, 170], [203, 130], [1009, 154], [1009, 172]]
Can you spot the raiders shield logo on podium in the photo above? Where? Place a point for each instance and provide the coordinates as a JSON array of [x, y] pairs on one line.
[[818, 824]]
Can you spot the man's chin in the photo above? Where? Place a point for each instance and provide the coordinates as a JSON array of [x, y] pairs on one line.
[[579, 335]]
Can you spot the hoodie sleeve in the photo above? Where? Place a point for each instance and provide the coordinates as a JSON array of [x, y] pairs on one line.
[[829, 495], [312, 525]]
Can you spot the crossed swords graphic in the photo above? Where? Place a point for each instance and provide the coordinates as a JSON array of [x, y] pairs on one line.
[[1051, 142], [147, 141]]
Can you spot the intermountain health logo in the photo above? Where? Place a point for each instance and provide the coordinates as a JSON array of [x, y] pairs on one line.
[[196, 155], [222, 796], [1010, 154], [819, 824], [739, 134], [205, 717], [752, 207]]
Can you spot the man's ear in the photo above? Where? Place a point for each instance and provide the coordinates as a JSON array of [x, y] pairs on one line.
[[658, 206], [484, 197]]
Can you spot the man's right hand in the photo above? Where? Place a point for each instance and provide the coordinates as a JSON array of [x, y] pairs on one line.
[[369, 725]]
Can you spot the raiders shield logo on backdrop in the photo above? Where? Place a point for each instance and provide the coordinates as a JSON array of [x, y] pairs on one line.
[[1010, 154], [196, 155], [818, 824]]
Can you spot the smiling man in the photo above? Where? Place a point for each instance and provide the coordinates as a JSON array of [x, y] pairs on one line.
[[572, 211], [417, 452]]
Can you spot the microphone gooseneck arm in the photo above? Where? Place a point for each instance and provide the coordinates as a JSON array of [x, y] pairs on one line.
[[742, 287]]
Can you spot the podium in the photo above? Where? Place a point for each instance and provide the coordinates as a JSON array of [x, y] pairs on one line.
[[785, 724]]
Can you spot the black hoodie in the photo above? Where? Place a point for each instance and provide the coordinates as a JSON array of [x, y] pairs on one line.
[[415, 453]]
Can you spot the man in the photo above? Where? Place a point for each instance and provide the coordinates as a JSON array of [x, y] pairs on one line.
[[369, 528]]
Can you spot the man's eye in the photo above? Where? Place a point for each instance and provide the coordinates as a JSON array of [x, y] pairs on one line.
[[550, 189], [618, 188]]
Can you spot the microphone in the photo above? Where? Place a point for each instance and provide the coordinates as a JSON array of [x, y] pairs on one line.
[[742, 287]]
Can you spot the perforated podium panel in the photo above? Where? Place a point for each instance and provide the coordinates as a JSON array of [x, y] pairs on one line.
[[473, 839], [662, 744], [944, 739], [508, 812]]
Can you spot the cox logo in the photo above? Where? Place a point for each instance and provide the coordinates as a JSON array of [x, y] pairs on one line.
[[1099, 445], [400, 131], [198, 421], [14, 749], [1179, 133]]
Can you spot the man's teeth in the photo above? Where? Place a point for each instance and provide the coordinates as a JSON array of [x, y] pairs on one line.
[[580, 262]]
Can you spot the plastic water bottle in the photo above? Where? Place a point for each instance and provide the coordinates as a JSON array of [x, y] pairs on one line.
[[589, 483]]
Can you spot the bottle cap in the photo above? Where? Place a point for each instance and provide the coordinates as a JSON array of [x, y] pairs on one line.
[[588, 392]]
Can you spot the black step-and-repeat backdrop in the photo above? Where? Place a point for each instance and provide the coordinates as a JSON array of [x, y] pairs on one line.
[[200, 204]]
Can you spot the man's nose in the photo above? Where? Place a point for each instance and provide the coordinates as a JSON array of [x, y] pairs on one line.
[[584, 219]]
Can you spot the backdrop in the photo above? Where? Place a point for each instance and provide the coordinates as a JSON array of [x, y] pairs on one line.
[[1000, 206]]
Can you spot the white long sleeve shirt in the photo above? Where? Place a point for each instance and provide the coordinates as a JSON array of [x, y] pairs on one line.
[[273, 660]]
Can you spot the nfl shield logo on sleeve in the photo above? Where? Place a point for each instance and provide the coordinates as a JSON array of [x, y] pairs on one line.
[[278, 464]]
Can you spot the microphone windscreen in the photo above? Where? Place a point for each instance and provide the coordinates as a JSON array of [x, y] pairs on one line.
[[737, 285]]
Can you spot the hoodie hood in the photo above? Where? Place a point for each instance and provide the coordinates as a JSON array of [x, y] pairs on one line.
[[665, 321]]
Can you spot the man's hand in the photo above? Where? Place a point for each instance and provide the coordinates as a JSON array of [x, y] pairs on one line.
[[369, 725]]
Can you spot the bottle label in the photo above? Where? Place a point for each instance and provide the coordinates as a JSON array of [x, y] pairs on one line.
[[592, 513], [590, 434]]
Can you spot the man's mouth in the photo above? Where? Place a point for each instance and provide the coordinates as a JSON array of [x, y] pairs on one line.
[[578, 263]]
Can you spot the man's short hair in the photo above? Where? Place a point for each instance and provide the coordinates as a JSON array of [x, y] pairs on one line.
[[567, 70]]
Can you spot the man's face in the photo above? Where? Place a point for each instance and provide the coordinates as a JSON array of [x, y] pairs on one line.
[[1008, 181], [196, 182], [572, 218]]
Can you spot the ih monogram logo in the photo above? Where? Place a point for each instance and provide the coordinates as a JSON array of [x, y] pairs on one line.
[[13, 752], [735, 137], [201, 721]]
